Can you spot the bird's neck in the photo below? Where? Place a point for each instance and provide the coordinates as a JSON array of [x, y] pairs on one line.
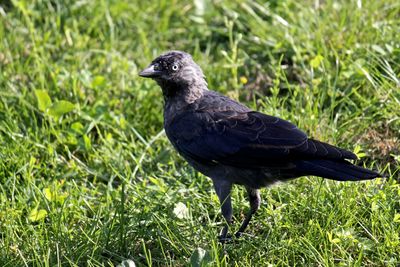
[[182, 94]]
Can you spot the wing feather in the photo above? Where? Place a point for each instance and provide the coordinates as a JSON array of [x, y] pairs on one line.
[[248, 139]]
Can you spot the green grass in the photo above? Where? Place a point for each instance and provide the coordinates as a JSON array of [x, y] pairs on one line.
[[88, 178]]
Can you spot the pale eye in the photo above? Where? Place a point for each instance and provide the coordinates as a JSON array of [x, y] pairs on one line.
[[175, 67]]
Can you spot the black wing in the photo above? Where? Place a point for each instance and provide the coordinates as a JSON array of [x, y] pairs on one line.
[[247, 139]]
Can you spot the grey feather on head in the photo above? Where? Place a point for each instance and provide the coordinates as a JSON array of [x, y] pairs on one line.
[[176, 72]]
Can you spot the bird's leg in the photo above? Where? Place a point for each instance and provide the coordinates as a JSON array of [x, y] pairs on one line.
[[223, 190], [255, 200]]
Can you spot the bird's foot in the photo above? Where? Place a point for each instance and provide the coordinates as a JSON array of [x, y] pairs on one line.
[[238, 234], [229, 238], [224, 239]]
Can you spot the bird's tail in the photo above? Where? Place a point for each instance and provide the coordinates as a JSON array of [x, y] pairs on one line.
[[336, 170]]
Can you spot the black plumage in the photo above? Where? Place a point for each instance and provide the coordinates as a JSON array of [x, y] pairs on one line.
[[232, 144]]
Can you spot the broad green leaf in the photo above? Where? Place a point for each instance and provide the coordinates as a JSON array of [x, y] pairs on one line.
[[98, 81], [358, 151], [88, 143], [316, 61], [54, 196], [71, 139], [335, 240], [48, 194], [123, 123], [37, 215], [60, 108], [50, 149], [44, 100], [77, 127], [109, 137]]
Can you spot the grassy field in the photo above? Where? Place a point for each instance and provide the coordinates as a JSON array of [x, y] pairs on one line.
[[88, 177]]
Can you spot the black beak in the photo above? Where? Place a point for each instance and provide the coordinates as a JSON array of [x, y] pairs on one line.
[[150, 72]]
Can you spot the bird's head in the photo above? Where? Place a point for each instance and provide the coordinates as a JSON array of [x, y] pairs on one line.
[[175, 71]]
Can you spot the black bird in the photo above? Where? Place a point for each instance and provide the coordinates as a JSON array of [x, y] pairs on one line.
[[232, 144]]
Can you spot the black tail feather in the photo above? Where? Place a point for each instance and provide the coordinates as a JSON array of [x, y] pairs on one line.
[[336, 170]]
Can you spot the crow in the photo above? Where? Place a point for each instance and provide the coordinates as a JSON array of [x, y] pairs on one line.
[[231, 144]]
